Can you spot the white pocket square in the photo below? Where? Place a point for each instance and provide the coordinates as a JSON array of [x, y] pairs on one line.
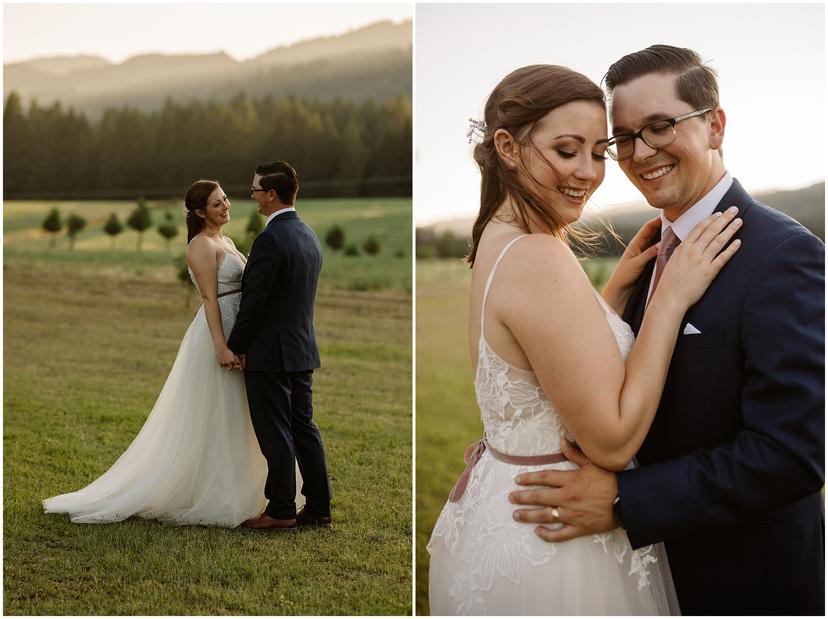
[[690, 330]]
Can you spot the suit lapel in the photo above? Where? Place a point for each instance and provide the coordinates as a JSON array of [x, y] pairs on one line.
[[634, 312]]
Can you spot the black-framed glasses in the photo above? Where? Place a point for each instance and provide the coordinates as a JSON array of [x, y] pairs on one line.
[[657, 134], [254, 190]]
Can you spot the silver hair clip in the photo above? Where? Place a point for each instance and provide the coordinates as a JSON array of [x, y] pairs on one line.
[[477, 131]]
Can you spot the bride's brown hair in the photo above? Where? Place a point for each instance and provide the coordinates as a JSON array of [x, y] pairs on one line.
[[516, 104], [194, 199]]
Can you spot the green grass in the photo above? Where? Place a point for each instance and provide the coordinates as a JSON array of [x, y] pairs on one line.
[[448, 419], [388, 219], [447, 415], [87, 348]]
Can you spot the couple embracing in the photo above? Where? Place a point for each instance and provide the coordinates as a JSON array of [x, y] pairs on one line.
[[657, 448], [202, 457]]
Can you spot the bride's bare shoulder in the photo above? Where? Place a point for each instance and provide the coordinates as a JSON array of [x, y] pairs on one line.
[[202, 248], [542, 245], [540, 256]]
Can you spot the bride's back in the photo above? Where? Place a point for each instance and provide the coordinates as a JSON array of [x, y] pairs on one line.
[[495, 238], [516, 413]]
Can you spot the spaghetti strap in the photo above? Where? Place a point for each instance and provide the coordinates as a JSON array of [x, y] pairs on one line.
[[491, 277]]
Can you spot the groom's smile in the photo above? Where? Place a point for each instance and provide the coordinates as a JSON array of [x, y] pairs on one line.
[[675, 176], [657, 172]]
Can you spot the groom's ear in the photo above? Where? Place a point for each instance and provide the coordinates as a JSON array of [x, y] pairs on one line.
[[717, 128], [508, 150]]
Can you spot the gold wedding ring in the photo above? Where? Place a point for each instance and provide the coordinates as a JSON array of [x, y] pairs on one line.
[[556, 514]]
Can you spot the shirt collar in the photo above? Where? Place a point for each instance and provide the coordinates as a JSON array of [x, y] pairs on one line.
[[701, 209], [279, 212]]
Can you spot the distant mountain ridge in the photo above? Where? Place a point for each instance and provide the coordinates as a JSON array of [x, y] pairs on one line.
[[376, 60], [375, 37], [63, 65]]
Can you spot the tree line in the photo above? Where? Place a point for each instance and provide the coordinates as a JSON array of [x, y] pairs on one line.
[[140, 220], [340, 148]]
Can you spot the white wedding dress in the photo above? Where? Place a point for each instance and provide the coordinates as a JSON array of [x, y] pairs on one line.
[[483, 562], [196, 459]]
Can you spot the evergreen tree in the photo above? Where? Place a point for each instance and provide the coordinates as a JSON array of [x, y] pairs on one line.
[[371, 246], [341, 148], [168, 229], [17, 146], [255, 224], [52, 224], [113, 228], [335, 239], [140, 220], [182, 272], [74, 224]]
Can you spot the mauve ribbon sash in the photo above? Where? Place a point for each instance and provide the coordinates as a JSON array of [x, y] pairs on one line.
[[475, 451], [224, 294]]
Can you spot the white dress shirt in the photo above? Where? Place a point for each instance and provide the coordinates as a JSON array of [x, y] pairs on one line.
[[279, 212], [695, 214]]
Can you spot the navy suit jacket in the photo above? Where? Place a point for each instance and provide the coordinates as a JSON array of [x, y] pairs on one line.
[[274, 326], [731, 470]]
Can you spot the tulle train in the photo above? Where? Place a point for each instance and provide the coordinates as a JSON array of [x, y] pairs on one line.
[[195, 460]]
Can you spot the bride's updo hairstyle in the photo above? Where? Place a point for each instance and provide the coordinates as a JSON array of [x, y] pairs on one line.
[[516, 104], [195, 199]]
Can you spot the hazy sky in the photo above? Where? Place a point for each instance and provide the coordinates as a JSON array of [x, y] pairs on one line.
[[118, 31], [770, 59]]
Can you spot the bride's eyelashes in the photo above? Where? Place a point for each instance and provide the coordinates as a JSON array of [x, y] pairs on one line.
[[568, 155]]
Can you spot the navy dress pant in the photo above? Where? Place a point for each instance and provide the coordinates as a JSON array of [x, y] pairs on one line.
[[281, 409]]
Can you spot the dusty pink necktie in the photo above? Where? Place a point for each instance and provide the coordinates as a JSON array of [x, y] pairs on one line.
[[669, 242]]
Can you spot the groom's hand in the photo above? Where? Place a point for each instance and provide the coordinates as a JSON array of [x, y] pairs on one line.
[[242, 361], [581, 500]]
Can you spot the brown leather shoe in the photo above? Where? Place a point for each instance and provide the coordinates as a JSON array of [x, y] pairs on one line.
[[266, 523], [306, 519]]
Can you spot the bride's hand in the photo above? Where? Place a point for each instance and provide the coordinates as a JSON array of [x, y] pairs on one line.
[[637, 254], [635, 257], [697, 260], [226, 358]]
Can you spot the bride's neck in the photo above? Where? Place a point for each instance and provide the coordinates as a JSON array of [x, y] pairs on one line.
[[508, 213], [214, 232]]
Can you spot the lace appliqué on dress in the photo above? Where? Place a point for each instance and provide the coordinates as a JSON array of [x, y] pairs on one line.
[[619, 546], [229, 275], [498, 548], [515, 411]]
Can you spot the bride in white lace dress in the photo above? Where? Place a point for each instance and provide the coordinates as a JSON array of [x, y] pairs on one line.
[[549, 356], [196, 459]]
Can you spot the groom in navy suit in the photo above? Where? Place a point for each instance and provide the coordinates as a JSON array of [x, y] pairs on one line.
[[275, 341], [731, 471]]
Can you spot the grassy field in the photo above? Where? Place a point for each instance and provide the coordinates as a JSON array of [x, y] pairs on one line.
[[448, 419], [388, 219], [447, 415], [90, 336]]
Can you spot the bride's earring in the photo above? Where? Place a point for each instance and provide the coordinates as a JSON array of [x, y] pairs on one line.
[[505, 147]]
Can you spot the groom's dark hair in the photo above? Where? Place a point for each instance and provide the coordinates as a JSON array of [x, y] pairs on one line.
[[280, 177], [695, 81]]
